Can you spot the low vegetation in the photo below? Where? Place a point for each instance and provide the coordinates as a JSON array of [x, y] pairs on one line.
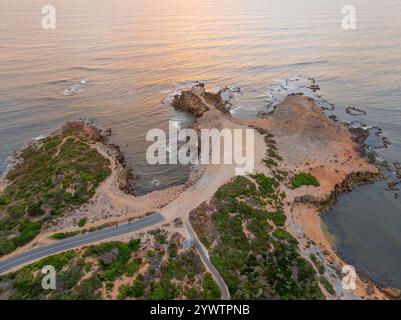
[[52, 177], [64, 235], [304, 179], [257, 258], [118, 270]]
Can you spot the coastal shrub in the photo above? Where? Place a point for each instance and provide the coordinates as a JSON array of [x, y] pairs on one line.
[[138, 288], [319, 266], [160, 238], [172, 250], [134, 244], [327, 285], [273, 153], [279, 218], [122, 292], [87, 290], [210, 288], [58, 261], [64, 235], [282, 234], [270, 162], [304, 179], [133, 267], [82, 222], [265, 184], [240, 186], [164, 291]]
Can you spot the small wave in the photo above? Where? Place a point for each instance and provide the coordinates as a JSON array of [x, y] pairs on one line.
[[76, 88], [155, 182], [40, 137]]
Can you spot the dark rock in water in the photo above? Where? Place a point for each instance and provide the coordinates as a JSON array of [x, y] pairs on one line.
[[333, 117], [357, 124], [236, 90], [369, 139], [190, 102], [392, 186], [397, 169], [376, 139], [355, 111]]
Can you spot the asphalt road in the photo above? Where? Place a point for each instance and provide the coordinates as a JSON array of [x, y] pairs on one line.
[[225, 294], [78, 241]]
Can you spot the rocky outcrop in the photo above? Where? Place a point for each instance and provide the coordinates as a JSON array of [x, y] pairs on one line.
[[196, 99], [392, 293], [190, 102], [355, 111]]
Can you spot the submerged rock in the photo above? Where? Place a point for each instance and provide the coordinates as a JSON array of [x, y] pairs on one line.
[[355, 111]]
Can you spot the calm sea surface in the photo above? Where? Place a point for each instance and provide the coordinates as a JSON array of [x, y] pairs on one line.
[[114, 61]]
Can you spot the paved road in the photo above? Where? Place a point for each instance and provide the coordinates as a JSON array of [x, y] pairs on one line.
[[78, 241], [225, 294]]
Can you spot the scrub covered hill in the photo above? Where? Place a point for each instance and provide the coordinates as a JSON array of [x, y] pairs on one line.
[[155, 267], [249, 245], [49, 178]]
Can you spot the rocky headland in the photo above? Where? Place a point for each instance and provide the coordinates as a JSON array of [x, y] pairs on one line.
[[302, 160]]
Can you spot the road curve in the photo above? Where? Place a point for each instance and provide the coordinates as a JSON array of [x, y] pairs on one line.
[[225, 294], [78, 241]]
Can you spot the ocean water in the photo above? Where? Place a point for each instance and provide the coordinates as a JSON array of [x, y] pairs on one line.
[[115, 61]]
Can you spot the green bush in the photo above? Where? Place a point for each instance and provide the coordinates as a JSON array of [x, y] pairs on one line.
[[265, 184], [327, 285], [211, 290], [138, 288], [134, 244], [64, 235], [82, 222], [304, 179]]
